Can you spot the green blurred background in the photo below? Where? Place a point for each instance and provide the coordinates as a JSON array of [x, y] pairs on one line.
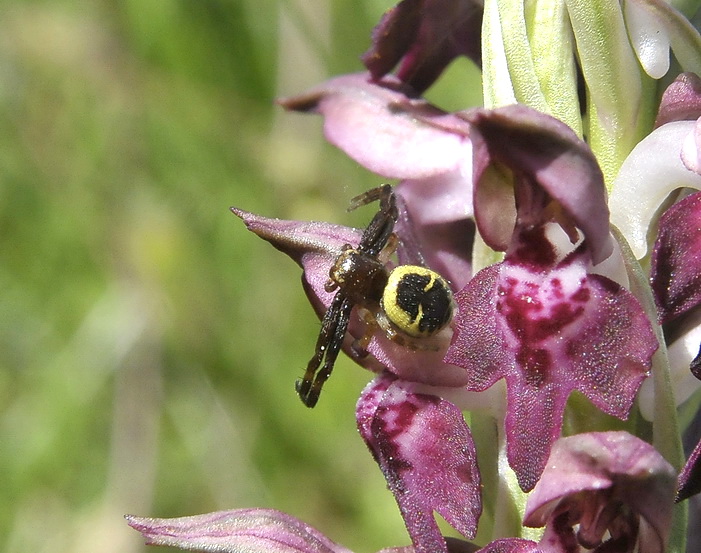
[[148, 343]]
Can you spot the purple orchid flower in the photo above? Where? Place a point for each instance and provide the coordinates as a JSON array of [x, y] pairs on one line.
[[615, 486], [543, 319], [600, 492], [420, 441]]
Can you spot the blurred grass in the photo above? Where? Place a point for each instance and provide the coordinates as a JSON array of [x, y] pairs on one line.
[[148, 343]]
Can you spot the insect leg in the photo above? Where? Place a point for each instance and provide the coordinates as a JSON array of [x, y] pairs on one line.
[[328, 345]]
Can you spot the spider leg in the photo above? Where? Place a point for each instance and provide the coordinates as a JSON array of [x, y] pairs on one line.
[[380, 229], [328, 345]]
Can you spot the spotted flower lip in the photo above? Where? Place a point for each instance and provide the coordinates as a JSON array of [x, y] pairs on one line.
[[542, 319], [424, 36], [606, 482], [426, 452]]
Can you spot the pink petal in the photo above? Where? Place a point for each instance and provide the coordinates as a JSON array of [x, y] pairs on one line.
[[545, 153], [681, 100], [250, 530], [426, 453], [383, 129]]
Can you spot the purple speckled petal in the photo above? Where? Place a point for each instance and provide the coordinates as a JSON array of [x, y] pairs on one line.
[[425, 35], [676, 259], [681, 100], [426, 453], [545, 153], [549, 331], [250, 530], [607, 481], [383, 129]]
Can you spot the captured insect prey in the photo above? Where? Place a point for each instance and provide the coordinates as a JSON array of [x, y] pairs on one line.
[[411, 304]]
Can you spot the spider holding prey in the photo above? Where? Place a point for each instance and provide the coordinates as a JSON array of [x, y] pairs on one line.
[[410, 303]]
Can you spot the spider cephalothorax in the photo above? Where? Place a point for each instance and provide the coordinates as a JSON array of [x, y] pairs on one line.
[[410, 303]]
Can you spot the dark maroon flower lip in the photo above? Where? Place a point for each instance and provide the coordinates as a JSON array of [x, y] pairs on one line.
[[681, 100], [676, 259]]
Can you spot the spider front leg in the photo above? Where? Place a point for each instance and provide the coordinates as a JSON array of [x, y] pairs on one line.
[[381, 228], [328, 346]]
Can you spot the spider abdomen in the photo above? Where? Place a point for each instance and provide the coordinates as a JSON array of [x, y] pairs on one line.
[[417, 301]]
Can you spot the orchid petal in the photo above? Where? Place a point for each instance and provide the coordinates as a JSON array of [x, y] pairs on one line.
[[683, 37], [385, 130], [426, 453], [649, 174], [676, 259], [250, 530], [425, 35], [551, 156], [437, 213], [313, 245], [588, 474], [681, 100], [690, 477], [691, 149]]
